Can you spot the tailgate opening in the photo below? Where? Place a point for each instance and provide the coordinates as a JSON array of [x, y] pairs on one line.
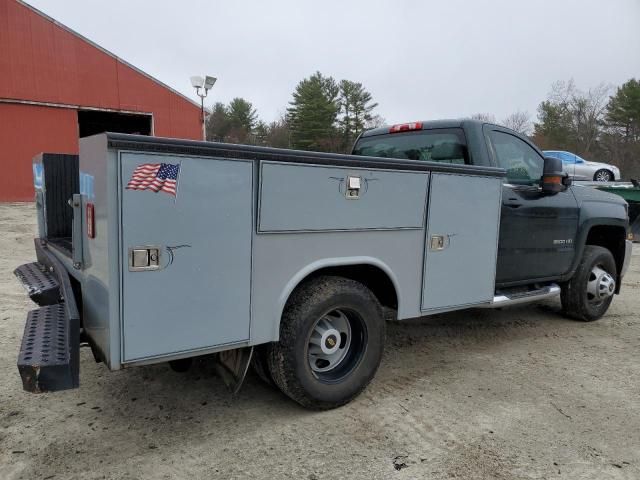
[[56, 180]]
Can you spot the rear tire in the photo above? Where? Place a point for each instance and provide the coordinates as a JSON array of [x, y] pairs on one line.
[[589, 293], [331, 343], [602, 175], [260, 364], [181, 365]]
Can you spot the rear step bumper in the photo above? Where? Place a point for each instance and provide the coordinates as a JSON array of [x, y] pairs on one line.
[[50, 350], [41, 285]]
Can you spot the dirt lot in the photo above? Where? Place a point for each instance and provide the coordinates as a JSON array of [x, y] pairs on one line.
[[517, 393]]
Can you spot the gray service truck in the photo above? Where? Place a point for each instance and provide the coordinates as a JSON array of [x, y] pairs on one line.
[[160, 250]]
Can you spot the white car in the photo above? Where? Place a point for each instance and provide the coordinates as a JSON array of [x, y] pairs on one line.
[[580, 169]]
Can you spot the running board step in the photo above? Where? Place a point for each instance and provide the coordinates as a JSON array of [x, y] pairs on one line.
[[45, 360], [504, 300], [41, 285]]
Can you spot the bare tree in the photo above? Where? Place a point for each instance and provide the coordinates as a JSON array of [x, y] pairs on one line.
[[590, 110], [375, 121], [484, 117], [519, 121], [579, 114]]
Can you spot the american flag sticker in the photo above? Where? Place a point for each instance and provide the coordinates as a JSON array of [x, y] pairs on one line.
[[157, 177]]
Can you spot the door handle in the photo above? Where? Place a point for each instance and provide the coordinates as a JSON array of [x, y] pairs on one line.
[[144, 258]]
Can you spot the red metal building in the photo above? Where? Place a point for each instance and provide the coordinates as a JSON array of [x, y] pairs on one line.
[[57, 86]]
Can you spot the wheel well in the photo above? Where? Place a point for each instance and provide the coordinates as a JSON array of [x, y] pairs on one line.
[[610, 237], [374, 278]]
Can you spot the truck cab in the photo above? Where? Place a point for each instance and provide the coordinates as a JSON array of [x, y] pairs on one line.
[[543, 234]]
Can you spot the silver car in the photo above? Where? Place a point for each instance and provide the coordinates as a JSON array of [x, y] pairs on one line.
[[580, 169]]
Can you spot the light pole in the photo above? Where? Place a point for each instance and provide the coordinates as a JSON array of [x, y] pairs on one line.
[[202, 86]]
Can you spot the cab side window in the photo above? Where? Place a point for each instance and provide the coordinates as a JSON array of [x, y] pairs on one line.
[[523, 164]]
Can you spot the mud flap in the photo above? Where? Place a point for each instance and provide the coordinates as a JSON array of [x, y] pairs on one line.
[[232, 366]]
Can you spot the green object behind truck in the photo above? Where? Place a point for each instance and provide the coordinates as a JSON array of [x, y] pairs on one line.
[[631, 193]]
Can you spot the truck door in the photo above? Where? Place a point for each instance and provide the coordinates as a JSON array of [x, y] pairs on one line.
[[186, 253], [537, 230]]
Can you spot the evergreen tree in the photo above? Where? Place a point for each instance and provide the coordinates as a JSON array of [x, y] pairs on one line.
[[313, 112], [217, 126], [242, 115], [553, 129], [242, 120], [623, 111], [356, 111], [621, 139]]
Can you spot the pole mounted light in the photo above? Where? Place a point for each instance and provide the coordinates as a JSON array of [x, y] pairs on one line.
[[202, 86]]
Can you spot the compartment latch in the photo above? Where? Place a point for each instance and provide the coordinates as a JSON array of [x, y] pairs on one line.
[[353, 187], [439, 242], [144, 258]]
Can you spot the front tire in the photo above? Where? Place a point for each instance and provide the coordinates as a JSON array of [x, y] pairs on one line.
[[589, 293], [331, 343], [602, 175]]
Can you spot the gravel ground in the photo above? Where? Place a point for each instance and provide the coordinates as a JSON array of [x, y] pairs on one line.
[[520, 393]]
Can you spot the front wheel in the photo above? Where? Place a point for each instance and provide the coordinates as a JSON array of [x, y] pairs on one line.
[[331, 343], [589, 293], [603, 176]]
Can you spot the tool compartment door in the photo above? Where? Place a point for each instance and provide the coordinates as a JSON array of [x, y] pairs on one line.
[[198, 294], [461, 241]]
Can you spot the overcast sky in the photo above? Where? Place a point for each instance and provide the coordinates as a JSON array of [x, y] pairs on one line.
[[420, 59]]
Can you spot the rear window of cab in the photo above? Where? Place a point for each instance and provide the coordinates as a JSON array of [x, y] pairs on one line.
[[437, 145]]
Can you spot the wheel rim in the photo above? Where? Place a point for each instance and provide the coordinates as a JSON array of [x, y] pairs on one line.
[[602, 176], [336, 344], [600, 286]]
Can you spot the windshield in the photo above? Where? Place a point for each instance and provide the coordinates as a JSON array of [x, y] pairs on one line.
[[441, 145]]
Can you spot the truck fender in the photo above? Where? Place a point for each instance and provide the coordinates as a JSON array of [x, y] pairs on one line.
[[333, 262], [583, 234]]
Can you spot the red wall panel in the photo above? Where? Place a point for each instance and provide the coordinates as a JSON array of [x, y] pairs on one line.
[[40, 61], [25, 131]]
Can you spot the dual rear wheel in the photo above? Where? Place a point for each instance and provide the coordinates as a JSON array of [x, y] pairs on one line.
[[331, 343]]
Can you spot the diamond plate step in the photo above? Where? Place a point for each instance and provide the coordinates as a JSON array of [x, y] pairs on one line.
[[44, 361], [42, 286]]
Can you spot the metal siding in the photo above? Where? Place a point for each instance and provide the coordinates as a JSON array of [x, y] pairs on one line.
[[25, 131], [44, 62]]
